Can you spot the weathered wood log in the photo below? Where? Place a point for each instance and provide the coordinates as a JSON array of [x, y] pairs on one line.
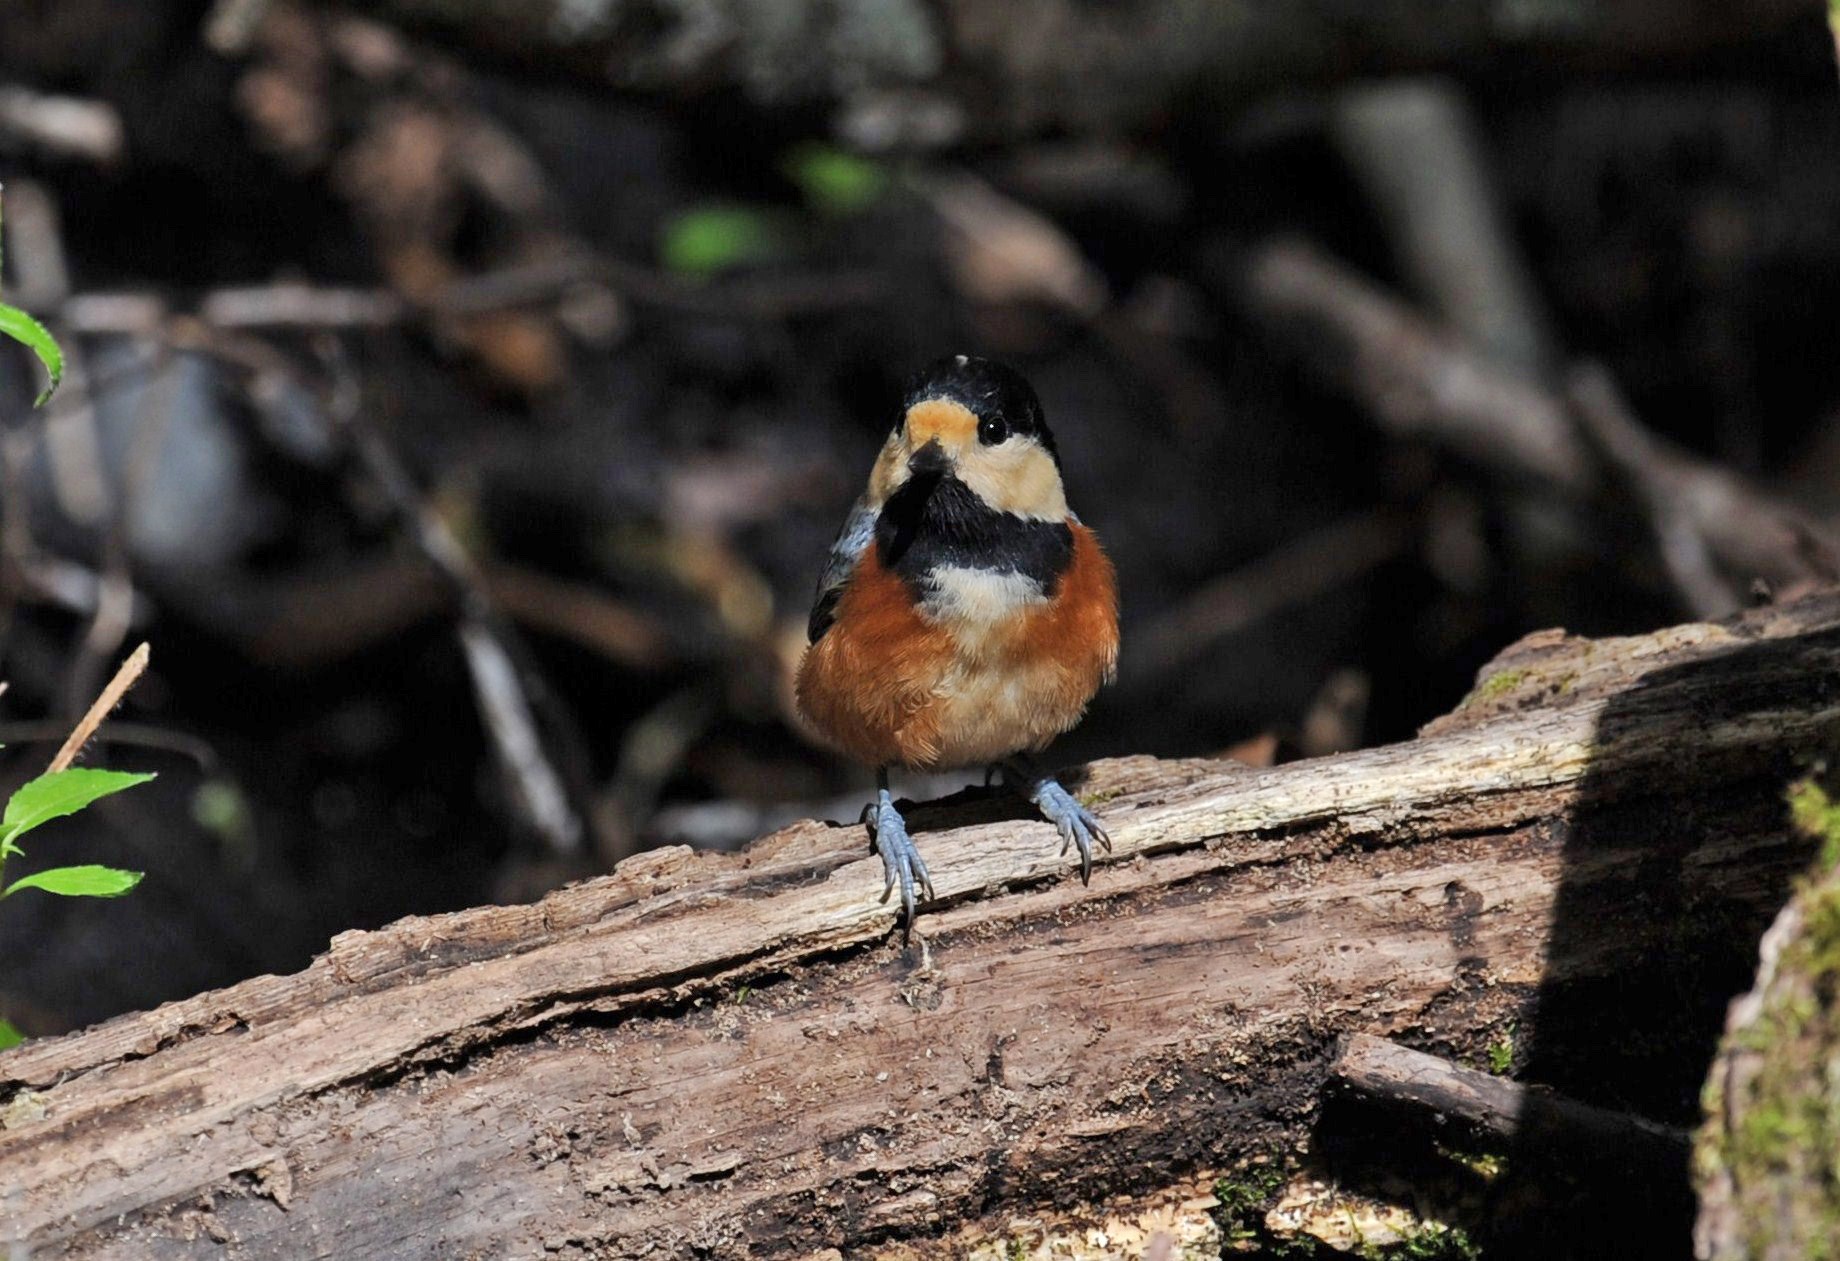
[[731, 1055]]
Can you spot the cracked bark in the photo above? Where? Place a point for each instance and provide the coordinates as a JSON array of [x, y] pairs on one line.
[[732, 1054]]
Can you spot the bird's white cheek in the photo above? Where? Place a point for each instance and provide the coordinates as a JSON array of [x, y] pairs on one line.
[[1017, 478], [890, 469]]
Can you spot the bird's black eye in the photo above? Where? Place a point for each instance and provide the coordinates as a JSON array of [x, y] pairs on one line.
[[992, 430]]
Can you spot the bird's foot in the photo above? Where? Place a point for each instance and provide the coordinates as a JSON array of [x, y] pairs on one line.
[[901, 861], [1077, 825]]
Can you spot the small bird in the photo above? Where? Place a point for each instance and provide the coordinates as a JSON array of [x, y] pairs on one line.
[[966, 617]]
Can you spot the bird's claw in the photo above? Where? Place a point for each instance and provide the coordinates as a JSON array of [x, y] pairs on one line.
[[1077, 825], [901, 861]]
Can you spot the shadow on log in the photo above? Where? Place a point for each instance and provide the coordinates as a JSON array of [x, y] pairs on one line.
[[731, 1055]]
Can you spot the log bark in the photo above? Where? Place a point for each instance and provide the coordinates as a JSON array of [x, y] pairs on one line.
[[732, 1055]]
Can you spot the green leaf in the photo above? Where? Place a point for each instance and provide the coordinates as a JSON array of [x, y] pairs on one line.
[[87, 881], [834, 181], [713, 239], [10, 1035], [55, 795], [22, 328]]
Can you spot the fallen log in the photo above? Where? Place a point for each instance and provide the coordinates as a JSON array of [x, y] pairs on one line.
[[732, 1055]]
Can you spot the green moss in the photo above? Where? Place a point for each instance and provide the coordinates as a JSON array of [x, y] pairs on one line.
[[1821, 923], [1241, 1200], [1093, 800], [1017, 1250], [1501, 1053], [1433, 1241], [1815, 814], [1244, 1198], [1782, 1148], [1485, 1165], [1496, 685]]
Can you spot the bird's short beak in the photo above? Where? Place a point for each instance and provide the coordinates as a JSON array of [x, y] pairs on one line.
[[930, 460]]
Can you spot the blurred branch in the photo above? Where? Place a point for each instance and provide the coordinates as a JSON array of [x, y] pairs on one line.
[[300, 306], [1422, 382], [1702, 517], [911, 73], [66, 126], [132, 734], [510, 718], [65, 584], [1418, 380], [35, 253], [509, 690], [1300, 570], [1003, 252], [1417, 152], [581, 614], [292, 305], [501, 685]]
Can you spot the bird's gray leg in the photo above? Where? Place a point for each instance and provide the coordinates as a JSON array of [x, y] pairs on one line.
[[901, 861], [1077, 825]]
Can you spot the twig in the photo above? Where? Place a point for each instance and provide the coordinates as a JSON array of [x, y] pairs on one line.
[[513, 725], [509, 692], [1389, 1073], [125, 678]]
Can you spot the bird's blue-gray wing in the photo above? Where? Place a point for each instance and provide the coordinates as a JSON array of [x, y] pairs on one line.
[[852, 541]]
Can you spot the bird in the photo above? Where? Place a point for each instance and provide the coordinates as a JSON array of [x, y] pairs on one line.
[[965, 616]]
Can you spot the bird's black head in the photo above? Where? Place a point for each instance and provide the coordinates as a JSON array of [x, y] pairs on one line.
[[977, 424], [1003, 402]]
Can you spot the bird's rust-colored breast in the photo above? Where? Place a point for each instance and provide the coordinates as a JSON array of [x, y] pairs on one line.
[[885, 685], [869, 684], [1078, 628]]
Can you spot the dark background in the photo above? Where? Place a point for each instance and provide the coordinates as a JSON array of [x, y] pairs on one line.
[[616, 309]]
